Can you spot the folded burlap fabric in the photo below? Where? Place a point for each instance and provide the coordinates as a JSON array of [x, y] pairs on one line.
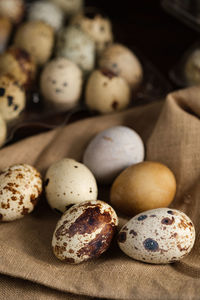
[[171, 132]]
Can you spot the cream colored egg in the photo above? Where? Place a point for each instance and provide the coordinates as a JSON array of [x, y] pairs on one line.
[[111, 151], [3, 131], [47, 12], [97, 27], [84, 231], [77, 46], [69, 182], [12, 98], [69, 7], [158, 236], [37, 38], [106, 92], [123, 62], [20, 188], [12, 9], [61, 83], [143, 186]]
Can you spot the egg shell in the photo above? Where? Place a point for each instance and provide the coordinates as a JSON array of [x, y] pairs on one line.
[[20, 188], [77, 46], [3, 131], [5, 32], [143, 186], [61, 83], [37, 38], [106, 92], [69, 7], [122, 61], [12, 9], [84, 231], [192, 68], [111, 151], [12, 98], [19, 64], [69, 182], [158, 236], [47, 12], [97, 27]]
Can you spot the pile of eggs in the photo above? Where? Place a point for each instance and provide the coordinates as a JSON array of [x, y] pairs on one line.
[[141, 190], [63, 63]]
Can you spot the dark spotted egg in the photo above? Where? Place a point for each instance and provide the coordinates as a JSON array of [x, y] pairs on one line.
[[84, 231], [157, 236], [20, 188]]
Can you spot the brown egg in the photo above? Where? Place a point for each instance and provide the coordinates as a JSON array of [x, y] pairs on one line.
[[37, 38], [5, 31], [19, 64], [143, 186], [12, 9]]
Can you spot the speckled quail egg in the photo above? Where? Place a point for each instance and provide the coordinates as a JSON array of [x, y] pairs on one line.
[[158, 236], [192, 68], [3, 131], [69, 7], [61, 83], [77, 46], [143, 186], [111, 151], [20, 188], [47, 12], [99, 28], [37, 38], [19, 64], [107, 92], [12, 98], [5, 32], [84, 231], [69, 182], [123, 62], [12, 9]]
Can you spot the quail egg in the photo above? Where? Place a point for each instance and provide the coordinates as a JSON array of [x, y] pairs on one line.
[[69, 182], [84, 231], [158, 236], [20, 188]]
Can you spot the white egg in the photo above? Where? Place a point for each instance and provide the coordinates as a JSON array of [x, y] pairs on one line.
[[20, 188], [69, 182], [111, 151], [84, 231], [158, 236]]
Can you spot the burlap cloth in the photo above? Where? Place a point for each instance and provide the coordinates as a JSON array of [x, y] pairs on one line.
[[171, 132]]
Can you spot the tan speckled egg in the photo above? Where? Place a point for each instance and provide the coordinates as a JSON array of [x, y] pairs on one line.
[[61, 83], [77, 46], [122, 61], [20, 188], [143, 186], [69, 7], [37, 38], [12, 98], [19, 64], [106, 92], [158, 236], [47, 12], [12, 9], [5, 32], [192, 68], [69, 182], [3, 131], [111, 151], [97, 27], [84, 231]]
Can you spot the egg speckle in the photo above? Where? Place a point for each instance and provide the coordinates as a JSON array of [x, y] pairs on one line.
[[84, 231], [20, 188], [159, 236]]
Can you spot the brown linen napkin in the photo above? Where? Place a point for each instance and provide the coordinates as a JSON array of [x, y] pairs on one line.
[[171, 132]]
